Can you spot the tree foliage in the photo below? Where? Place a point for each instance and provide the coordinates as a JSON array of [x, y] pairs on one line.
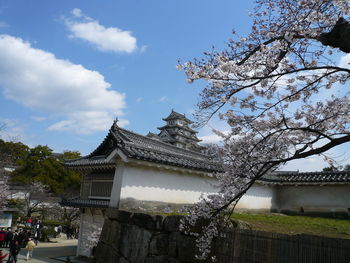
[[40, 165], [270, 86], [11, 152]]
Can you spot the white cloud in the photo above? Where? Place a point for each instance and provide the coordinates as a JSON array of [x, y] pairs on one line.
[[38, 80], [139, 99], [163, 99], [110, 39], [143, 49], [76, 12]]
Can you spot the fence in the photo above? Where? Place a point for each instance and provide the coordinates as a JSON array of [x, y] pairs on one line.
[[262, 247]]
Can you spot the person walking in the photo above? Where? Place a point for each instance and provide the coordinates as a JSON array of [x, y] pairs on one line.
[[36, 236], [30, 247], [14, 250]]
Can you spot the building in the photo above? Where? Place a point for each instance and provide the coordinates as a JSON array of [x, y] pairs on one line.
[[132, 171], [308, 193], [135, 172], [178, 132]]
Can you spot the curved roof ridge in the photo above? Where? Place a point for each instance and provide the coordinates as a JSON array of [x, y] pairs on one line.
[[164, 143]]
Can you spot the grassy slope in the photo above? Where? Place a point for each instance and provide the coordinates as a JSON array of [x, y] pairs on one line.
[[297, 224]]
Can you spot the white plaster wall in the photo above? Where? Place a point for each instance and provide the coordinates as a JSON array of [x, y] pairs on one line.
[[90, 230], [314, 198], [149, 184], [258, 197]]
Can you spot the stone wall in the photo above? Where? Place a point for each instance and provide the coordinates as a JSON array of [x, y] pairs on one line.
[[91, 223], [134, 238]]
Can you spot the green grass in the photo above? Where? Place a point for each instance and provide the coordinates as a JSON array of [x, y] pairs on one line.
[[293, 225]]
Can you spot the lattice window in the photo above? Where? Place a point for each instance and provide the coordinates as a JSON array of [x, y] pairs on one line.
[[101, 189]]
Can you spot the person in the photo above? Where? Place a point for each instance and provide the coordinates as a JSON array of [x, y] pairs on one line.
[[56, 231], [36, 236], [24, 237], [2, 256], [30, 247], [29, 222], [15, 235], [38, 225], [21, 237], [59, 230], [2, 237], [14, 250], [8, 237]]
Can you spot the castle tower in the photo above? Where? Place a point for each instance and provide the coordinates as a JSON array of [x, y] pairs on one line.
[[177, 132]]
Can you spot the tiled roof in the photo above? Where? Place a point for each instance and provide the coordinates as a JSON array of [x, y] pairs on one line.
[[338, 177], [78, 202], [175, 115], [136, 146], [167, 126]]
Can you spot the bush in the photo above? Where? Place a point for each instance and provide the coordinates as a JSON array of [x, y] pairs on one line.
[[47, 233]]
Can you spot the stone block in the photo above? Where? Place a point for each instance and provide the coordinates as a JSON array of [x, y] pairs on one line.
[[119, 215], [172, 249], [172, 223], [159, 222], [144, 221], [161, 259], [101, 252], [115, 234], [159, 244], [157, 259], [104, 237], [134, 243], [112, 257]]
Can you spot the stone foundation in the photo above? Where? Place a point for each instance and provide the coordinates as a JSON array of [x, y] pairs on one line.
[[140, 238]]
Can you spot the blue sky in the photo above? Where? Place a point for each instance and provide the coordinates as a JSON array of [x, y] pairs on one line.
[[68, 68]]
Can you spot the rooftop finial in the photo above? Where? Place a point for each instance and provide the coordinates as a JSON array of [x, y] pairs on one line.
[[115, 123]]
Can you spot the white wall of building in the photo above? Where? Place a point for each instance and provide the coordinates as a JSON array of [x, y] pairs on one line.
[[258, 197], [91, 223], [316, 198], [150, 184]]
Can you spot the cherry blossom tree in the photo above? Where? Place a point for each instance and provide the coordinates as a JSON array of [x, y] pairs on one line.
[[7, 162], [34, 196], [281, 91], [4, 189]]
